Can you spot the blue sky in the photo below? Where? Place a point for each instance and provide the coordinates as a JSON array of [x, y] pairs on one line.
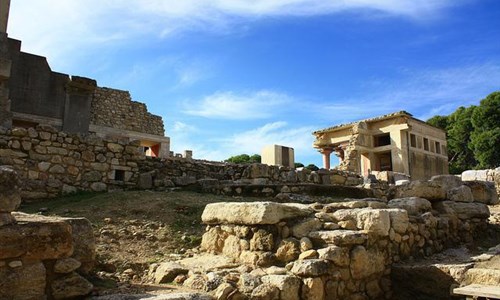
[[230, 76]]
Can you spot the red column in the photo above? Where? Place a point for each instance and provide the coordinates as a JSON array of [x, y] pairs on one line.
[[326, 157]]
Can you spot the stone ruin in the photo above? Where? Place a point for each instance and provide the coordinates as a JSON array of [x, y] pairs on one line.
[[339, 250], [41, 257]]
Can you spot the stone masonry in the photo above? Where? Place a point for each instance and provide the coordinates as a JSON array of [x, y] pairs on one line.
[[41, 257], [339, 250], [115, 108]]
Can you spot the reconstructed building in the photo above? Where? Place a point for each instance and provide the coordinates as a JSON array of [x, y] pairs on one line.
[[276, 155], [396, 142], [32, 94]]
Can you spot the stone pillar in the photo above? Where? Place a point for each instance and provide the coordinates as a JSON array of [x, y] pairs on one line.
[[79, 92], [4, 15], [326, 157], [10, 198], [188, 154]]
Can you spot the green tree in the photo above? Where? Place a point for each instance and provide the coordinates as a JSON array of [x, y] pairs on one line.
[[485, 139], [244, 159], [460, 127], [299, 165], [312, 167], [439, 122]]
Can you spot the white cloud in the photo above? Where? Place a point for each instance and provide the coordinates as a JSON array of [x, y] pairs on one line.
[[232, 106], [62, 28]]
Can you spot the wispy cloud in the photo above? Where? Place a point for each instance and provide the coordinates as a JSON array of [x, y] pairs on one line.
[[233, 106], [67, 25]]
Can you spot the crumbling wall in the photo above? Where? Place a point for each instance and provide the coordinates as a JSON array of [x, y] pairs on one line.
[[341, 250], [52, 162], [115, 108], [41, 257]]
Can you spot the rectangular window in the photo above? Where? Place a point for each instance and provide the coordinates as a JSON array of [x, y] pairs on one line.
[[438, 148], [413, 140], [432, 146], [382, 140], [426, 144]]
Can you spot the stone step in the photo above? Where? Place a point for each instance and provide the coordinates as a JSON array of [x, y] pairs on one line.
[[338, 237]]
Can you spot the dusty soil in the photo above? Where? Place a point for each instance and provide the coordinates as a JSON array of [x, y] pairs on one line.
[[135, 229]]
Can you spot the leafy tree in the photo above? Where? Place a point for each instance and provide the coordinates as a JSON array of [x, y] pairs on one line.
[[485, 139], [460, 127], [439, 122], [244, 159], [473, 135], [312, 167], [299, 165]]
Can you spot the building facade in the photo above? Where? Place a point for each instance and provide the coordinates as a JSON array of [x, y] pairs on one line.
[[32, 94], [396, 142]]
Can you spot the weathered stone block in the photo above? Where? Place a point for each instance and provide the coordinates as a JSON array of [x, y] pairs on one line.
[[338, 237], [252, 213], [26, 282], [413, 205]]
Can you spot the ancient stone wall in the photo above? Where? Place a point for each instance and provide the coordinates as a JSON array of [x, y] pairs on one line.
[[340, 250], [51, 162], [41, 257], [233, 179], [115, 108]]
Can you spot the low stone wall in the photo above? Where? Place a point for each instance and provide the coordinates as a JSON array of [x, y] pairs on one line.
[[490, 175], [51, 162], [163, 173], [41, 257], [340, 250]]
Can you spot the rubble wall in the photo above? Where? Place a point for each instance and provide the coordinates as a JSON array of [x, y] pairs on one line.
[[115, 108], [52, 162], [41, 257], [340, 250]]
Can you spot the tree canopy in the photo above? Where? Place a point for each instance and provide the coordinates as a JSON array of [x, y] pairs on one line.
[[244, 159], [473, 135]]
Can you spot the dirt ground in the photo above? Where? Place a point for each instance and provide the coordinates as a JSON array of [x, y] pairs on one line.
[[135, 229]]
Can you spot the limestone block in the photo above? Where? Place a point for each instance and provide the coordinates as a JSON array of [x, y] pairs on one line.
[[374, 221], [430, 190], [366, 263], [483, 276], [309, 254], [313, 289], [26, 282], [72, 285], [310, 267], [252, 213], [289, 286], [447, 181], [483, 191], [247, 282], [212, 241], [66, 265], [338, 255], [167, 271], [338, 237], [472, 175], [257, 171], [265, 291], [10, 198], [116, 148], [37, 239], [98, 187], [262, 241], [232, 247], [303, 228], [460, 194], [413, 205], [468, 210], [184, 180], [288, 250], [399, 219]]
